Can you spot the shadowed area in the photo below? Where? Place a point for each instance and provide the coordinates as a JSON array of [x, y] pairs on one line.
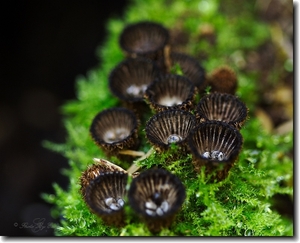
[[45, 45]]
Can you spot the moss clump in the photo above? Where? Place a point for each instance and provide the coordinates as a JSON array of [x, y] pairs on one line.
[[242, 204]]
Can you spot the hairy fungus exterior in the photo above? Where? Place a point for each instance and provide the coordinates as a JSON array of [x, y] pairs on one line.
[[190, 68], [223, 79], [95, 170], [131, 77], [222, 107], [168, 127], [145, 38], [115, 129], [171, 92], [105, 197], [156, 195], [215, 145]]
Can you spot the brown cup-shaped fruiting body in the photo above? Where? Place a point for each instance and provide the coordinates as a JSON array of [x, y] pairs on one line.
[[190, 68], [171, 92], [105, 197], [145, 38], [168, 127], [115, 129], [223, 79], [129, 80], [95, 170], [215, 145], [222, 107], [156, 195]]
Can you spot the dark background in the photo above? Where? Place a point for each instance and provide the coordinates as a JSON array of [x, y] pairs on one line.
[[45, 45]]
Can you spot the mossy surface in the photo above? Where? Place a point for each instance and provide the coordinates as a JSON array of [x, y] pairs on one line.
[[242, 204]]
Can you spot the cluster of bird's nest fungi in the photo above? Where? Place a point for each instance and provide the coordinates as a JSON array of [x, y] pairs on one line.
[[154, 77]]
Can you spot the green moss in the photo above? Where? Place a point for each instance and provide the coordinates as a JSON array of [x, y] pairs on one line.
[[241, 205]]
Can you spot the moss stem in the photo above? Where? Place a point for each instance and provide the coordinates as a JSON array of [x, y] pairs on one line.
[[108, 164], [132, 153], [134, 167]]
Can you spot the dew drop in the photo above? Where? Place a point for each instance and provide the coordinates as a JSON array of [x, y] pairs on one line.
[[164, 206], [121, 202], [159, 212], [109, 201], [150, 205], [206, 155], [150, 212], [115, 206], [214, 154], [174, 138], [136, 91], [220, 156]]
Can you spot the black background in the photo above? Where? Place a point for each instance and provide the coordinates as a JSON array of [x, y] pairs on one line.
[[45, 45]]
